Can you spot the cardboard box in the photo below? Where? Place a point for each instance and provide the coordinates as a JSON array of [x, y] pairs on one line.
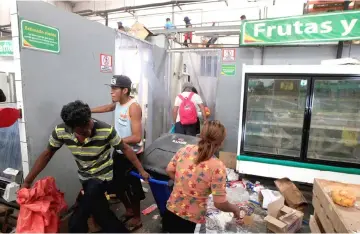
[[140, 31], [314, 227], [267, 196], [229, 159], [283, 219], [293, 196]]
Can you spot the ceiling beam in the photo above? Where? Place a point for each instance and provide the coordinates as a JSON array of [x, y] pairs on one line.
[[196, 29], [144, 6]]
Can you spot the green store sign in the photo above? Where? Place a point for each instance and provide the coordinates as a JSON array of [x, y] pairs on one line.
[[339, 26], [6, 48], [39, 37], [228, 69]]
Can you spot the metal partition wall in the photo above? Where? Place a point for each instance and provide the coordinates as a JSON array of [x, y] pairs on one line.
[[221, 92], [202, 69], [308, 117], [136, 59], [72, 74]]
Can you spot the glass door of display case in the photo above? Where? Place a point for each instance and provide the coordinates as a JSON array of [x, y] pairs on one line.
[[335, 120], [274, 115], [307, 118]]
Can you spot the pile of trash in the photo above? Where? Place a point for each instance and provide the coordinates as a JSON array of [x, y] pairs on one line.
[[261, 205], [243, 194]]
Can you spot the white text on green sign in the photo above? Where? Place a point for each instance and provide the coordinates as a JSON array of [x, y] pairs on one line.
[[6, 48], [40, 37], [309, 28], [228, 69]]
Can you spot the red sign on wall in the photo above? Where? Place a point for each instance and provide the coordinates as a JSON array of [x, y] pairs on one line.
[[106, 64], [228, 55]]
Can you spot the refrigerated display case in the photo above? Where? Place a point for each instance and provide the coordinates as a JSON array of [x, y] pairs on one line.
[[310, 115]]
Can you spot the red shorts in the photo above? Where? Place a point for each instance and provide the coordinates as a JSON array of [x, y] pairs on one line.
[[188, 36]]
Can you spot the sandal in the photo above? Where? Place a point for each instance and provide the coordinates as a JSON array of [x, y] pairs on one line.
[[133, 227], [125, 218]]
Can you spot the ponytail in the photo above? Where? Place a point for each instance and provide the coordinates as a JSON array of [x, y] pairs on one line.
[[212, 135], [206, 150]]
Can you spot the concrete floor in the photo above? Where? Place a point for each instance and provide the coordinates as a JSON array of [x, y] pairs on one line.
[[152, 221]]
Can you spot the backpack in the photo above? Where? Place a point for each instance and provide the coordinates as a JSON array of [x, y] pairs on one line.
[[187, 110]]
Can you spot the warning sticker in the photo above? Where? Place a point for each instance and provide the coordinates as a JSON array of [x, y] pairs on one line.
[[106, 64], [228, 55]]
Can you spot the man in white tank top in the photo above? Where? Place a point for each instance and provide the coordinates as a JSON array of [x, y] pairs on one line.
[[128, 115]]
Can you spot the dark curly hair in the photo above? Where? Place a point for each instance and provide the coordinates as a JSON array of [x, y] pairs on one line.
[[76, 114]]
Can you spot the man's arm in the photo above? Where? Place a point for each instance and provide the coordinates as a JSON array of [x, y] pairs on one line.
[[54, 144], [135, 115], [104, 109], [130, 154], [39, 165], [118, 144], [202, 108], [176, 108], [197, 99]]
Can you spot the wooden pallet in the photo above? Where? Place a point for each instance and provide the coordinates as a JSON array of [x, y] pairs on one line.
[[315, 224], [5, 213], [329, 217]]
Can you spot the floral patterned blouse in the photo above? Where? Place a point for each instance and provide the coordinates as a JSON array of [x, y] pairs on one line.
[[194, 183]]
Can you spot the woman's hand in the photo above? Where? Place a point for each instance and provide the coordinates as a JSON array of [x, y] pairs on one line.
[[239, 215], [236, 213]]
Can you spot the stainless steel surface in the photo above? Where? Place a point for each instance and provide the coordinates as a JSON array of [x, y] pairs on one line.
[[76, 73]]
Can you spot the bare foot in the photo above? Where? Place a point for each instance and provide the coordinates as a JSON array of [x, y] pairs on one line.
[[129, 214]]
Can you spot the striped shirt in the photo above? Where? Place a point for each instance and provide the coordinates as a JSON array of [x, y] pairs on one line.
[[93, 155]]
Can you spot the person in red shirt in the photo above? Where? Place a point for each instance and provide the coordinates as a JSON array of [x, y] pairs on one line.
[[187, 35]]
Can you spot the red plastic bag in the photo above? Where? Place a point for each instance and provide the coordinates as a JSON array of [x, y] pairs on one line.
[[8, 116], [40, 207]]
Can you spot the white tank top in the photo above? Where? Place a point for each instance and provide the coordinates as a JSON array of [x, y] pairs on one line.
[[123, 123]]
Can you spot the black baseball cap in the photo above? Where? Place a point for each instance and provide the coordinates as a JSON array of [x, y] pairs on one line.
[[121, 81]]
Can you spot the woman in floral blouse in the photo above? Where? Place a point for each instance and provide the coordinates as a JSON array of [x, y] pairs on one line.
[[197, 173]]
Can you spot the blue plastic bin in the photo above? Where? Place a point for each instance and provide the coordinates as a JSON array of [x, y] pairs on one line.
[[160, 190]]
